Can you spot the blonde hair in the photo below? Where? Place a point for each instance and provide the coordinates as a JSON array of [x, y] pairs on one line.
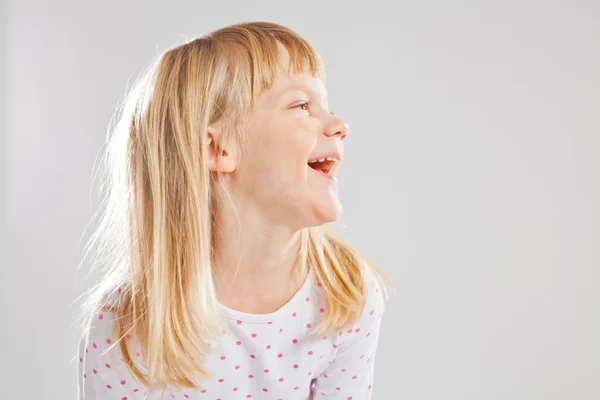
[[155, 236]]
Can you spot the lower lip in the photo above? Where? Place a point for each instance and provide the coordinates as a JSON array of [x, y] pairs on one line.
[[323, 174]]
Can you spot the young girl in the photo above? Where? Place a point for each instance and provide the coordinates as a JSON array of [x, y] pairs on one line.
[[222, 280]]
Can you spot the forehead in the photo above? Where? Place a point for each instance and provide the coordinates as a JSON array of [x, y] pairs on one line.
[[310, 85], [286, 81]]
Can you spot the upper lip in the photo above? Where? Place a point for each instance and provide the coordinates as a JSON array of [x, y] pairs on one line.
[[333, 154]]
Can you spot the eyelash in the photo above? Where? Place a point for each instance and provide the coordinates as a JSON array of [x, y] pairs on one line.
[[306, 104], [302, 104]]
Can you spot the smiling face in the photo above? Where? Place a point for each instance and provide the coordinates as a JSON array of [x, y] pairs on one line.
[[291, 125]]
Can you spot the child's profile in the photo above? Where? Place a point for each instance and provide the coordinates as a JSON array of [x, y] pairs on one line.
[[222, 279]]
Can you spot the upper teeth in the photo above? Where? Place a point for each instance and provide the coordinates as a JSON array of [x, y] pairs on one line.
[[323, 159]]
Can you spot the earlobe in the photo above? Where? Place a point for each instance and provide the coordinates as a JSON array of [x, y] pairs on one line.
[[219, 159]]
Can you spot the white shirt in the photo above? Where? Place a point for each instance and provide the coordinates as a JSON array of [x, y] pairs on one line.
[[258, 356]]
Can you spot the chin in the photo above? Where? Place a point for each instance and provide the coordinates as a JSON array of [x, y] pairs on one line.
[[326, 213]]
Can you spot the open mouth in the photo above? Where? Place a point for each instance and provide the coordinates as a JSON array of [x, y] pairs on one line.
[[326, 167]]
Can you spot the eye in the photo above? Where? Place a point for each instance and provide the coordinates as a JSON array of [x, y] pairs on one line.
[[305, 104]]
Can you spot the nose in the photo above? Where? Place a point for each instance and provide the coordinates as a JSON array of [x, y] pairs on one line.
[[338, 126]]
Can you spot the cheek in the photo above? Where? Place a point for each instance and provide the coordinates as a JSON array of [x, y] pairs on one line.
[[281, 151]]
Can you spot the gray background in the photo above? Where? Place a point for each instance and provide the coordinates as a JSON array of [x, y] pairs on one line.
[[471, 177]]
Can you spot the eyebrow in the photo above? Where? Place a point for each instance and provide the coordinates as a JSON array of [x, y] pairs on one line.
[[300, 86]]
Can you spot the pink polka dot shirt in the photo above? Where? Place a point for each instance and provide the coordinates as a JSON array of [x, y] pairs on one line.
[[258, 356]]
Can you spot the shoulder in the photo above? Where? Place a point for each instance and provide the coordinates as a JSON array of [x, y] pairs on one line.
[[100, 340], [374, 296], [100, 325], [98, 333]]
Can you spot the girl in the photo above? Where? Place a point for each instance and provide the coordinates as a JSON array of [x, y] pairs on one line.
[[222, 280]]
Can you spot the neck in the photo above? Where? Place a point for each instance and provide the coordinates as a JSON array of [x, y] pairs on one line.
[[256, 267]]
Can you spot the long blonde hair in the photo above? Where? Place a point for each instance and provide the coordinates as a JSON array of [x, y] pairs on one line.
[[154, 240]]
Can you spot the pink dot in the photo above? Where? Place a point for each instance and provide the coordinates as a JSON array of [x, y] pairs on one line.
[[266, 371], [337, 388], [80, 359], [202, 391], [280, 330], [350, 398], [124, 398], [186, 396], [357, 330], [235, 389], [101, 316], [354, 377], [310, 353], [254, 335], [84, 376], [296, 388], [310, 373], [308, 325], [268, 346], [95, 372], [294, 314], [265, 390], [107, 365], [250, 376], [349, 330], [237, 367], [280, 379], [136, 389], [308, 299], [221, 380], [108, 341], [238, 342], [252, 356], [223, 357], [270, 322], [368, 334], [122, 382], [322, 309], [108, 386], [295, 341], [239, 322], [372, 311], [370, 386], [95, 346], [279, 355], [295, 365], [248, 396]]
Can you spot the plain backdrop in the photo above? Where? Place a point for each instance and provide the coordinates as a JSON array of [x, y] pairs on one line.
[[472, 177]]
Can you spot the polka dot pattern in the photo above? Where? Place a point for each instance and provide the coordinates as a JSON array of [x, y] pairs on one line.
[[255, 357]]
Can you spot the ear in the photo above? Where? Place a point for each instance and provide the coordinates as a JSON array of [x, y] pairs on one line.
[[220, 158]]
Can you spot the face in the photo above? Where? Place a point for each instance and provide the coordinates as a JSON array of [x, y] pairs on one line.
[[290, 126]]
